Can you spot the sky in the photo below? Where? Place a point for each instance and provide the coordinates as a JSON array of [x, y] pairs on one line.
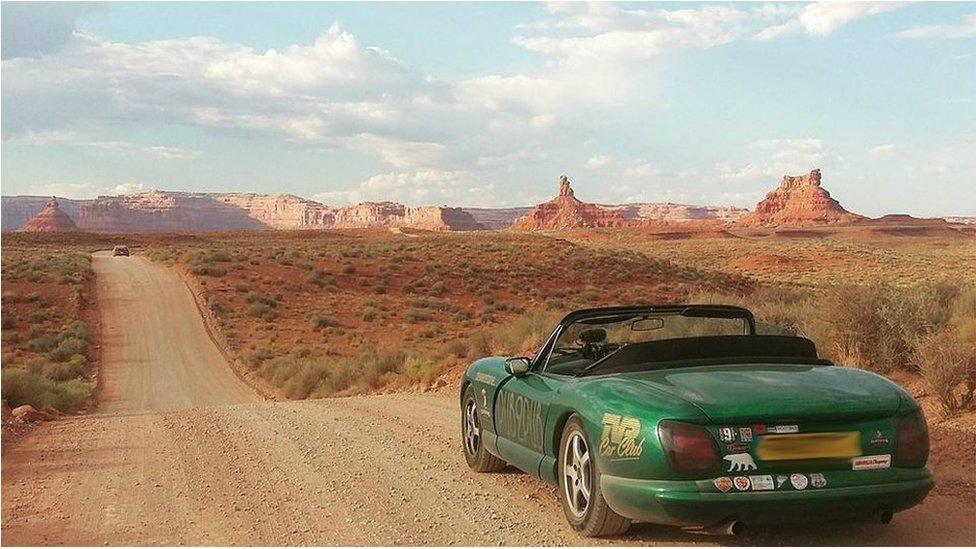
[[486, 104]]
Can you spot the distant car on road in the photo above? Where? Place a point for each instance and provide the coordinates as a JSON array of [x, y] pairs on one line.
[[120, 250], [684, 415]]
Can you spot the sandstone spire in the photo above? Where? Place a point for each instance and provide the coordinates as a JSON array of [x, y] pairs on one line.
[[798, 201], [50, 219]]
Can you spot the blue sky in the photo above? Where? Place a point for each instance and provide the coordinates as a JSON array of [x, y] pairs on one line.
[[486, 104]]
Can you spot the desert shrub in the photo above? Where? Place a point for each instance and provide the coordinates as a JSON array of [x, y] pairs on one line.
[[417, 315], [480, 345], [33, 297], [369, 314], [375, 365], [42, 343], [67, 348], [73, 368], [242, 288], [324, 321], [254, 297], [298, 376], [7, 321], [37, 316], [27, 387], [421, 369], [524, 334], [321, 278], [77, 329], [962, 314], [215, 271], [457, 348], [945, 361], [262, 310]]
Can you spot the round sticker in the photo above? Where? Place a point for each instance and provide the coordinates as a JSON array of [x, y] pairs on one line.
[[741, 483], [798, 481]]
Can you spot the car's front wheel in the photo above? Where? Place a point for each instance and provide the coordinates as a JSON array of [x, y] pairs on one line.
[[472, 441], [579, 486]]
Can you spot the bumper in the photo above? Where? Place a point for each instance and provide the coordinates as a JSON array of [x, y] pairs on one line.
[[848, 495]]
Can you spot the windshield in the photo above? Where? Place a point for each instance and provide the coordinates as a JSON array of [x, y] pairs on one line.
[[590, 339]]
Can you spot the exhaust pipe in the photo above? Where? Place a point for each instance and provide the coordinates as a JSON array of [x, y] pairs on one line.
[[885, 516], [727, 528]]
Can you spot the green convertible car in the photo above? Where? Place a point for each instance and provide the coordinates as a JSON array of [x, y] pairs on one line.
[[683, 415]]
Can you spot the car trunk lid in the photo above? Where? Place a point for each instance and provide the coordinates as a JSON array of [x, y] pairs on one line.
[[778, 393]]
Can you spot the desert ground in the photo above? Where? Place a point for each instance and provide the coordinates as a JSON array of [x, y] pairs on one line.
[[192, 435]]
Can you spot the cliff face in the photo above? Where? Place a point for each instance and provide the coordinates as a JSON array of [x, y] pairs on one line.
[[677, 213], [162, 211], [392, 214], [568, 212], [158, 211], [50, 219], [16, 211], [799, 201]]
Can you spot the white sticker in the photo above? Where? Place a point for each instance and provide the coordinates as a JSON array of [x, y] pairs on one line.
[[745, 434], [726, 434], [784, 429], [862, 463], [818, 480], [761, 482], [741, 483], [799, 481], [740, 462], [781, 480]]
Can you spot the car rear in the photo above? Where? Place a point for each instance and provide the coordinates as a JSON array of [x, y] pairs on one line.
[[776, 443]]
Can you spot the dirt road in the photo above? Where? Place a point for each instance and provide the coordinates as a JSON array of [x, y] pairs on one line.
[[181, 452]]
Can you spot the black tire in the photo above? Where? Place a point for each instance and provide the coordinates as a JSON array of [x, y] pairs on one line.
[[478, 458], [596, 518]]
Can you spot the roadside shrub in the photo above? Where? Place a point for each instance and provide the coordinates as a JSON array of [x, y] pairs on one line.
[[67, 348], [73, 368], [524, 334], [945, 361], [456, 349], [421, 369], [24, 387], [42, 343]]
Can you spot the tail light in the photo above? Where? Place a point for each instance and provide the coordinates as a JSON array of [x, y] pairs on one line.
[[912, 443], [689, 448]]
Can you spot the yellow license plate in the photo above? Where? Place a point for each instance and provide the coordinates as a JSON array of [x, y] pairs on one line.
[[809, 446]]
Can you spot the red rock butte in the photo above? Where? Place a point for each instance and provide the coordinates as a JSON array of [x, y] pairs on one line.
[[798, 201], [565, 211], [50, 219]]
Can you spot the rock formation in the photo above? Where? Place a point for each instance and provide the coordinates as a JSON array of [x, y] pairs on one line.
[[677, 213], [50, 219], [568, 212], [392, 214], [16, 211], [798, 201], [164, 211]]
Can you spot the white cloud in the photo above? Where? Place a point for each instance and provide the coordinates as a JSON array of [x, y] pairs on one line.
[[823, 18], [172, 153], [640, 169], [423, 187], [598, 162], [399, 154], [773, 158], [44, 137], [887, 149], [964, 29]]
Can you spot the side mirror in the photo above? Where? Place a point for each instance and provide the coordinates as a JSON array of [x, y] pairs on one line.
[[517, 365]]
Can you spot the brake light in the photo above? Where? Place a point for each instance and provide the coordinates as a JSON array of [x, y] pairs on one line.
[[688, 447], [912, 444]]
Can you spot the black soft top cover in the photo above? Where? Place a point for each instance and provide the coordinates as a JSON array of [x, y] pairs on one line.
[[694, 351]]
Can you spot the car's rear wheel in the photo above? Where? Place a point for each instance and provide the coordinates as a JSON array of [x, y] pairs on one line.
[[579, 486], [472, 440]]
